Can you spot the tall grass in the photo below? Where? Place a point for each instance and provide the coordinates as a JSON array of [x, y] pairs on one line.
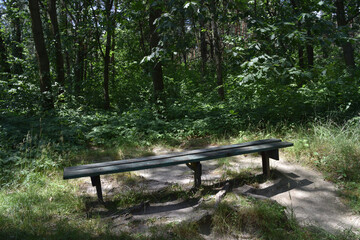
[[332, 148], [39, 208]]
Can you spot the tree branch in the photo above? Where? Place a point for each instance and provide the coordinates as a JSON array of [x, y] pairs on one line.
[[352, 18], [97, 33], [70, 14]]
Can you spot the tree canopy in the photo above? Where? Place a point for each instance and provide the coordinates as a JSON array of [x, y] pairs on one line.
[[258, 59]]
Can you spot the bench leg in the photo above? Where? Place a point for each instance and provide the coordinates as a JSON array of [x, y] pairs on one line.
[[95, 180], [265, 164], [197, 174], [197, 168]]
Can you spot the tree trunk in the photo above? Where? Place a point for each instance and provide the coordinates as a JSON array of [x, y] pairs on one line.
[[142, 39], [203, 45], [309, 49], [79, 67], [296, 9], [255, 11], [218, 53], [17, 40], [108, 6], [301, 56], [58, 47], [65, 25], [80, 50], [112, 60], [183, 32], [211, 42], [347, 47], [4, 65], [42, 56], [156, 67]]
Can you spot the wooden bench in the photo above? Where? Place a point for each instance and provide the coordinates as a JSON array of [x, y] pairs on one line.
[[268, 148]]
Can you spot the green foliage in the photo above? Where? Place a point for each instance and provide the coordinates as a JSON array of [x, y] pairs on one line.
[[264, 80], [266, 87]]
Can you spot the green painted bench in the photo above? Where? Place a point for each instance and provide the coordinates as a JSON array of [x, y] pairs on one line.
[[268, 148]]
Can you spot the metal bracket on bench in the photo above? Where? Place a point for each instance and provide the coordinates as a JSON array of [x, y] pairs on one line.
[[197, 168], [95, 181], [274, 154]]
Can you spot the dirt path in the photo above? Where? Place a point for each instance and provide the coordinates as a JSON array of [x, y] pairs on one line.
[[303, 191]]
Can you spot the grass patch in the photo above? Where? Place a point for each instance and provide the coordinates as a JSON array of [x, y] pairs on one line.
[[266, 220], [45, 207], [183, 231]]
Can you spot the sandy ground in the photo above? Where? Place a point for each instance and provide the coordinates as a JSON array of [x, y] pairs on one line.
[[307, 195], [303, 191]]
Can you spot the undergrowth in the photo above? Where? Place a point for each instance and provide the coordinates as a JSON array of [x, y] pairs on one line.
[[36, 203]]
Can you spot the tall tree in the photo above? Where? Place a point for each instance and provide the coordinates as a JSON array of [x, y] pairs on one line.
[[156, 68], [342, 21], [296, 9], [64, 24], [309, 48], [14, 9], [109, 31], [58, 48], [203, 44], [80, 20], [218, 51], [42, 55], [112, 60], [4, 65]]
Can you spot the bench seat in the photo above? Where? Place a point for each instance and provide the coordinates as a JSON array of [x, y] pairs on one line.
[[267, 147]]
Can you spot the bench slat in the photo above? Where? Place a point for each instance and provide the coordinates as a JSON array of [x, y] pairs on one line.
[[168, 160], [170, 155]]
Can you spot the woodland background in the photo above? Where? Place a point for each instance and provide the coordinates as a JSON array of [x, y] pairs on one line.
[[80, 80]]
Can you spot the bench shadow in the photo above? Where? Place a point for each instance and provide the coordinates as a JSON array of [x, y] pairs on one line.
[[283, 183], [154, 209]]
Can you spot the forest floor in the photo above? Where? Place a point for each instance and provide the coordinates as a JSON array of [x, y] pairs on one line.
[[303, 191]]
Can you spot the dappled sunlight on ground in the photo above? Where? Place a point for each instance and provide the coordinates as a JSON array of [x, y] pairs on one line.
[[303, 191]]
